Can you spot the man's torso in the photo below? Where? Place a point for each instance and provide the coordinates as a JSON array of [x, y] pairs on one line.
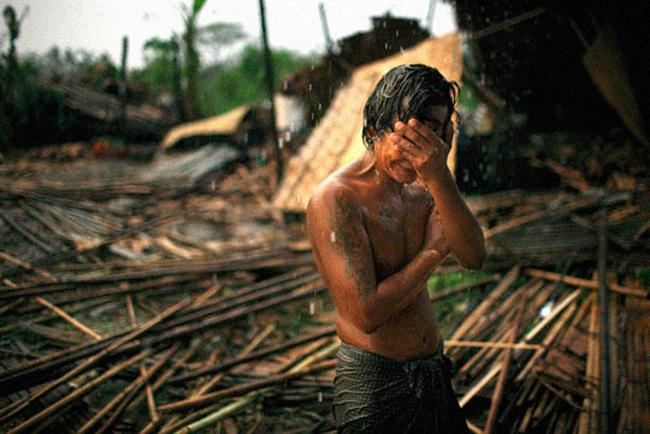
[[396, 226]]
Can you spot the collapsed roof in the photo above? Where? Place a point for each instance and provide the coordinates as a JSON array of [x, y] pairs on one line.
[[568, 66]]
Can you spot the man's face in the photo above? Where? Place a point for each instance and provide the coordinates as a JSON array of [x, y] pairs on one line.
[[390, 156]]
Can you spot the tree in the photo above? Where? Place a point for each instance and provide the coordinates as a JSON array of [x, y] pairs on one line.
[[159, 58], [242, 81], [215, 36], [10, 80], [192, 62]]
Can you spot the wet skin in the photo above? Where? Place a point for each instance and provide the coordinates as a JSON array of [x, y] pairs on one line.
[[380, 226]]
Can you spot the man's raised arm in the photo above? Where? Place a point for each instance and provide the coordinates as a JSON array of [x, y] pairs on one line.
[[428, 153], [344, 257]]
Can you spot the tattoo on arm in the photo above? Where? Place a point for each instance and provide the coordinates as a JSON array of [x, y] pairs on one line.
[[357, 258]]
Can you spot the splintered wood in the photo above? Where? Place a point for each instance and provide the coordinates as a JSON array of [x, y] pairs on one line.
[[137, 305]]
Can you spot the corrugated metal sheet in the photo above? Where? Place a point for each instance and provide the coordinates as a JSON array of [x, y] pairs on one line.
[[337, 138]]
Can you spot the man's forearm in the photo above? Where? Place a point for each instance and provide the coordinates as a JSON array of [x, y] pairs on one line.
[[397, 291], [462, 231]]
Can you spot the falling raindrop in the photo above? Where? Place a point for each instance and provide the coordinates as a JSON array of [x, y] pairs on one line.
[[213, 185], [332, 237], [546, 310], [312, 308], [310, 87], [320, 396], [280, 142]]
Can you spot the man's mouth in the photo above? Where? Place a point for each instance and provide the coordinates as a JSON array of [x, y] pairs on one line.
[[406, 166]]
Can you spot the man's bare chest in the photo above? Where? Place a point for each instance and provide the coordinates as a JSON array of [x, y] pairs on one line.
[[396, 236]]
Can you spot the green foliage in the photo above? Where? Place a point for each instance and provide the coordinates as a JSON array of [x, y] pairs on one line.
[[28, 112], [439, 282], [158, 73], [467, 100], [450, 309], [242, 82], [643, 274]]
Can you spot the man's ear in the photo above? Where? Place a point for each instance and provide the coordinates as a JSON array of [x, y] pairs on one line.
[[450, 128]]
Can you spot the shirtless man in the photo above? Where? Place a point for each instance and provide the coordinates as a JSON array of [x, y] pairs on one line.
[[379, 226]]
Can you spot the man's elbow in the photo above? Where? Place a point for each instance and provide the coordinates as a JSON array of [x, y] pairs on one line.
[[476, 261], [369, 328], [368, 323]]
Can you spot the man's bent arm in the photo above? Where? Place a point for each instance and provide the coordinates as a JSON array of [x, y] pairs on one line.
[[344, 257], [427, 151], [462, 231]]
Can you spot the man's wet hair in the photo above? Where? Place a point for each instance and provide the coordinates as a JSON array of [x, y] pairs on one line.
[[404, 92]]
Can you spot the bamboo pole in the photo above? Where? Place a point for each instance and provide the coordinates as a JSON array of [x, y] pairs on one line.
[[134, 386], [505, 283], [202, 389], [497, 396], [151, 403], [491, 344], [63, 314], [162, 379], [97, 357], [162, 335], [548, 339], [248, 387], [82, 391], [291, 343], [605, 422], [245, 264], [25, 265], [478, 386], [251, 397], [538, 215], [585, 283], [448, 292]]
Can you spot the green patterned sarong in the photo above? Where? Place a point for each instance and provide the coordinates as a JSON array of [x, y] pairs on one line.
[[376, 394]]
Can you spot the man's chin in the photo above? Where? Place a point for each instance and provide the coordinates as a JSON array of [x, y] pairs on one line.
[[405, 178]]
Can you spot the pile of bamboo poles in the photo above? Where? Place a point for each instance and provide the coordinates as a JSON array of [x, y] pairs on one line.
[[129, 319]]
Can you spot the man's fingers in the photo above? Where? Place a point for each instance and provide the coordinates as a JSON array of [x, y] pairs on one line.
[[407, 145], [413, 136], [403, 141], [419, 141], [414, 155], [425, 132]]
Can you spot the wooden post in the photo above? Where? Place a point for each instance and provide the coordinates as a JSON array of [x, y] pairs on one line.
[[497, 396], [268, 63], [176, 79], [329, 44], [605, 411], [122, 85], [428, 24]]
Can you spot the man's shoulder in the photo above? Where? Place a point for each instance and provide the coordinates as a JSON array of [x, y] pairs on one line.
[[336, 190]]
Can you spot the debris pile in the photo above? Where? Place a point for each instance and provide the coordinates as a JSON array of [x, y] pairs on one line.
[[137, 299]]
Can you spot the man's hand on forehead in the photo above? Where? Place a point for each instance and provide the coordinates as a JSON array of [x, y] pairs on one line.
[[423, 147]]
